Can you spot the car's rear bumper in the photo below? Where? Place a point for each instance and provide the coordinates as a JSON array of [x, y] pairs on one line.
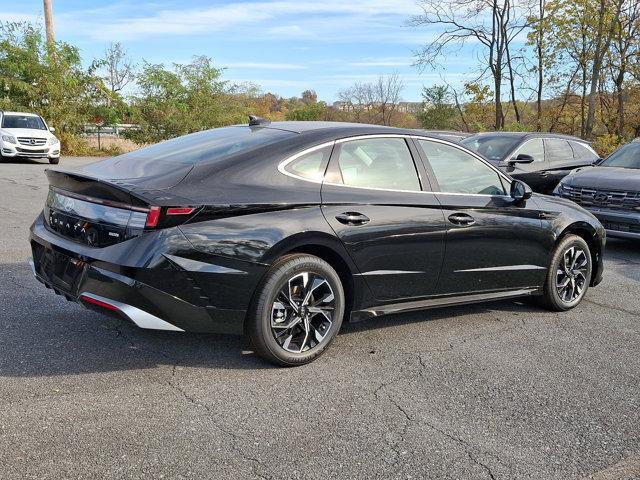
[[159, 295]]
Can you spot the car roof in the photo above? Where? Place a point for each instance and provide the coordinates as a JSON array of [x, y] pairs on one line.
[[531, 135], [26, 114], [345, 129]]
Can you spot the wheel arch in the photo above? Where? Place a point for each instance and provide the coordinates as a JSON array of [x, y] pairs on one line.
[[328, 249], [589, 234]]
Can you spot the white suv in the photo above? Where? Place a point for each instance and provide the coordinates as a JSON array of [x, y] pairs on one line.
[[27, 135]]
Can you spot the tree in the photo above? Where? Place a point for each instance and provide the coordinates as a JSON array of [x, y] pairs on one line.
[[374, 102], [188, 98], [45, 78], [607, 20], [461, 21], [438, 112], [624, 55], [118, 70]]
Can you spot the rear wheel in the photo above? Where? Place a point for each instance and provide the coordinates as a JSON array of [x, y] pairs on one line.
[[569, 274], [297, 310]]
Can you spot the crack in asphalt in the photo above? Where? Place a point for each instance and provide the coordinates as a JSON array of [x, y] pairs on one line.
[[235, 439], [409, 420], [612, 307]]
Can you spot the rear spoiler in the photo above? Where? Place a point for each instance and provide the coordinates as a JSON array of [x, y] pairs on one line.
[[111, 190]]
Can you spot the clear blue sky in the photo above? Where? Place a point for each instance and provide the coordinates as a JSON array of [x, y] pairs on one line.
[[284, 46]]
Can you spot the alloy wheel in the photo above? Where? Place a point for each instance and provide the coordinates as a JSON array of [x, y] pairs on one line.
[[302, 312], [571, 276]]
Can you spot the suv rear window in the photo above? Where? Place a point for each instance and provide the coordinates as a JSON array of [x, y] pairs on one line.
[[23, 121], [209, 145], [582, 152]]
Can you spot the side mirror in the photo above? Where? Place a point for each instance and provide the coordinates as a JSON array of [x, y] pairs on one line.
[[522, 158], [520, 191], [51, 129]]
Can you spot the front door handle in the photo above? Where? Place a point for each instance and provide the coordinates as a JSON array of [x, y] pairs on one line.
[[461, 219], [353, 218], [544, 173]]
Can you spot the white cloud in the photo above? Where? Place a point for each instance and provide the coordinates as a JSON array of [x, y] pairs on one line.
[[19, 17], [289, 18], [263, 66]]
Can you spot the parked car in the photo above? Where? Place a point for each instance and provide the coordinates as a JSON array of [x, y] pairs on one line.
[[448, 134], [26, 135], [610, 190], [282, 230], [538, 159]]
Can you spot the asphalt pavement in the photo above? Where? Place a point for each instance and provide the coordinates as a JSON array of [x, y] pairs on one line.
[[495, 391]]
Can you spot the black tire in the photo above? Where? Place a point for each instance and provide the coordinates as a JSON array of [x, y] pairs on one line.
[[54, 161], [278, 302], [578, 276]]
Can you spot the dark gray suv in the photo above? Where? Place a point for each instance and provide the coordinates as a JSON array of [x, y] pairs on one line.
[[610, 190]]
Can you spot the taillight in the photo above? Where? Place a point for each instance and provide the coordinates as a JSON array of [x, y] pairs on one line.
[[153, 217], [170, 217], [180, 210]]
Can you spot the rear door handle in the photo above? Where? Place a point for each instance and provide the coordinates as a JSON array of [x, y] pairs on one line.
[[544, 173], [461, 219], [353, 218]]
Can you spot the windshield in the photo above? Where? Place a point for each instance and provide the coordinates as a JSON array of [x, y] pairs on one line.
[[208, 145], [627, 156], [492, 147], [23, 121]]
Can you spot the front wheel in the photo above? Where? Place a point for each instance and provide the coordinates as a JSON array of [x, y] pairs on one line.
[[297, 310], [54, 161], [569, 274]]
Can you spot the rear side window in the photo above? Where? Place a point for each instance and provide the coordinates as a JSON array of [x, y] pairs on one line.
[[459, 172], [582, 152], [209, 145], [376, 163], [310, 165], [558, 150]]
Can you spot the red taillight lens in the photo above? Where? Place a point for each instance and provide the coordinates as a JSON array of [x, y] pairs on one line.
[[153, 217], [180, 210], [99, 303]]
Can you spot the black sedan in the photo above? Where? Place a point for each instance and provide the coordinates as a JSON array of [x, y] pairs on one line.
[[610, 190], [280, 231], [538, 159]]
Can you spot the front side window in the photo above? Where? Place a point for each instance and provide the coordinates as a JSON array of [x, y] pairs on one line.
[[310, 165], [558, 150], [377, 163], [23, 121], [457, 171], [534, 147], [625, 157]]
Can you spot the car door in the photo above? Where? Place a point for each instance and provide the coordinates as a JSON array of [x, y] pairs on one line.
[[534, 173], [394, 231], [492, 243]]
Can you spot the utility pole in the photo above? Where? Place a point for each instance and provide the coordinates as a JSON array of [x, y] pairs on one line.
[[48, 19]]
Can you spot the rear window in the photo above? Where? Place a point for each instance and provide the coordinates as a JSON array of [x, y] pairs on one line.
[[23, 121], [209, 145], [492, 147], [582, 152]]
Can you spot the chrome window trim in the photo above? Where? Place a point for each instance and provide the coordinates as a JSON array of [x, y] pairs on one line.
[[282, 165]]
